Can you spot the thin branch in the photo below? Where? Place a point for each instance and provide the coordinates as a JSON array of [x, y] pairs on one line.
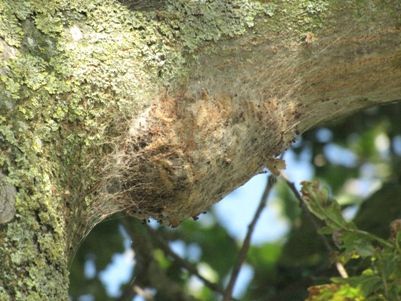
[[245, 246], [151, 270], [133, 290], [339, 266], [129, 292], [341, 270], [182, 262], [143, 293], [298, 196]]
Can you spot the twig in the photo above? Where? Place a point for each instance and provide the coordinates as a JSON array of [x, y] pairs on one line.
[[182, 262], [245, 246], [298, 196], [146, 268], [143, 293], [341, 270], [339, 266], [129, 292]]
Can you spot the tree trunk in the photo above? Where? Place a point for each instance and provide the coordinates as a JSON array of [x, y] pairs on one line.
[[160, 108]]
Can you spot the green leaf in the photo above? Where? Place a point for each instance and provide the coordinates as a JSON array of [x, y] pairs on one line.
[[319, 203]]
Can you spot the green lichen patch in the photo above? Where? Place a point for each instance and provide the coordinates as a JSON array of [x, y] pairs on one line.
[[295, 18]]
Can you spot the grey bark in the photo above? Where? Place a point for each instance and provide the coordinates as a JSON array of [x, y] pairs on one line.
[[7, 200]]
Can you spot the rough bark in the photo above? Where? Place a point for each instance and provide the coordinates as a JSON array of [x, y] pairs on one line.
[[159, 108]]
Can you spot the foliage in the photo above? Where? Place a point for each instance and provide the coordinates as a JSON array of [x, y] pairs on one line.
[[380, 277]]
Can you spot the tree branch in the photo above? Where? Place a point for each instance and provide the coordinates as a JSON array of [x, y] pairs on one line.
[[245, 246], [339, 266], [154, 274], [182, 262]]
